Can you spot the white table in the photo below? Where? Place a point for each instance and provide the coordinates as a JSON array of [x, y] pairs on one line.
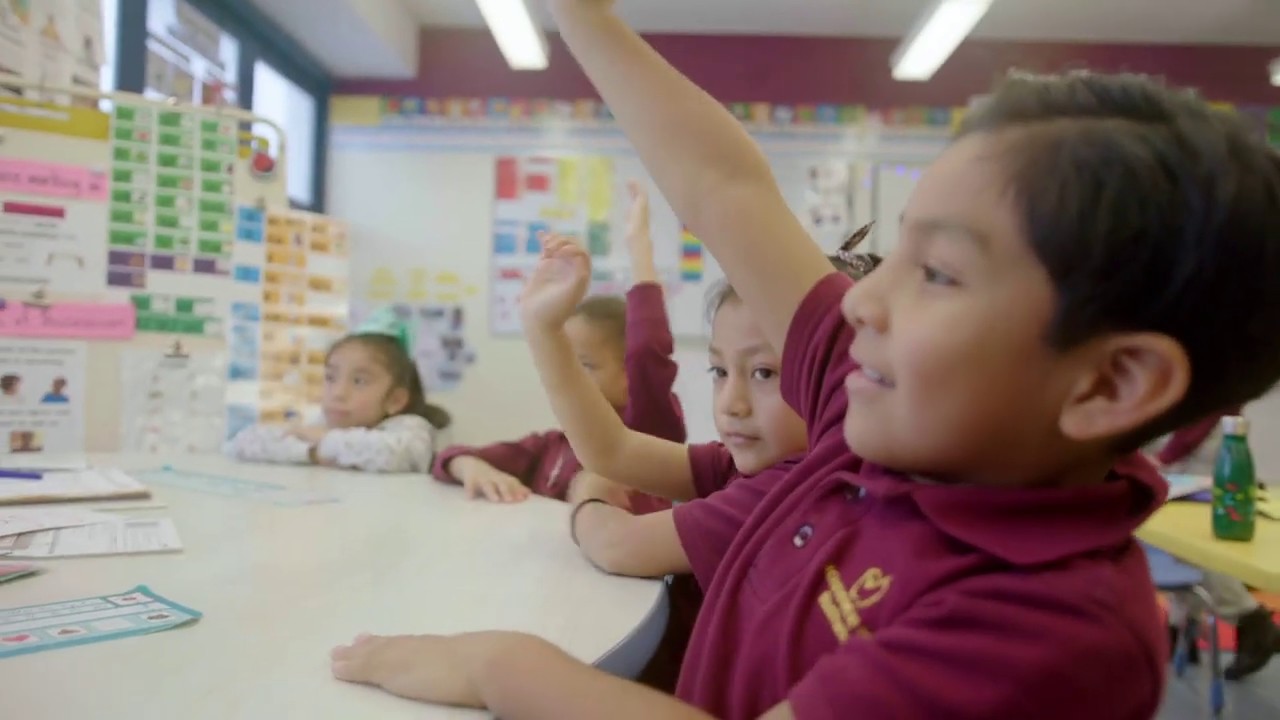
[[279, 586]]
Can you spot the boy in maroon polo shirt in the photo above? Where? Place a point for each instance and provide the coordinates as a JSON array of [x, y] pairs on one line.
[[626, 349], [1064, 265]]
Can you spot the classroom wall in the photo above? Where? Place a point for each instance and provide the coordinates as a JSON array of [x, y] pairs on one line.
[[466, 63], [500, 397]]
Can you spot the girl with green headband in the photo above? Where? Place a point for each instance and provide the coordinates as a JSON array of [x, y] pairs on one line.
[[376, 414]]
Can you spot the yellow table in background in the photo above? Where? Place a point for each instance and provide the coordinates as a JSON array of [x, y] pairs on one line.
[[1184, 530]]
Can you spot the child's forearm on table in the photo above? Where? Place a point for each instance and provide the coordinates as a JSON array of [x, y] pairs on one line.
[[538, 681]]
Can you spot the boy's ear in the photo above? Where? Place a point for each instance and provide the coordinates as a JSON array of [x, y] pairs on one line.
[[1126, 380], [396, 401]]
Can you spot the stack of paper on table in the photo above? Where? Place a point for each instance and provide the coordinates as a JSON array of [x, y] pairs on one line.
[[65, 531], [89, 484]]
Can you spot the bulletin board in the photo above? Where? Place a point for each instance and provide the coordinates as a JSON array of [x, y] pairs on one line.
[[585, 197], [133, 241]]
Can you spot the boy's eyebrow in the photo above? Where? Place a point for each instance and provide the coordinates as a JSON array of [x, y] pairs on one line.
[[938, 226]]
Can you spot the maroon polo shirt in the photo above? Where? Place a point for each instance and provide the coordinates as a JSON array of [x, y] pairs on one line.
[[850, 590], [546, 463]]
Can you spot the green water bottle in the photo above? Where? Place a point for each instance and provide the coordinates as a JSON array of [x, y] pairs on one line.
[[1235, 488]]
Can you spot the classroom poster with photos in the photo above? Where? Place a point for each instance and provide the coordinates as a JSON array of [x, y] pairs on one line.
[[42, 396], [277, 347]]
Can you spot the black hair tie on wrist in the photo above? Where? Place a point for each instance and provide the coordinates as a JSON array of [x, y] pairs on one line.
[[573, 517]]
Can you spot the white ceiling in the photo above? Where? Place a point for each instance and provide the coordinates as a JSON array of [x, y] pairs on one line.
[[1239, 22]]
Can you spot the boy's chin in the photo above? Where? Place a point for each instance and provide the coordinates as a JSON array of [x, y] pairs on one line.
[[866, 440]]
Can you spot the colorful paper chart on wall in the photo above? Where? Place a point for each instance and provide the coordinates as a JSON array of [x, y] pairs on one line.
[[434, 303], [36, 628], [579, 196], [278, 344], [177, 180]]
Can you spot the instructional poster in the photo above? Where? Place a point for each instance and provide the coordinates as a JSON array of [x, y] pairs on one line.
[[53, 197], [172, 401], [434, 306], [584, 197], [42, 396]]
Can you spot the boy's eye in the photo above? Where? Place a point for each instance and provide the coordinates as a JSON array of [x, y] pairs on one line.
[[359, 380], [329, 377], [717, 372], [933, 276], [764, 373]]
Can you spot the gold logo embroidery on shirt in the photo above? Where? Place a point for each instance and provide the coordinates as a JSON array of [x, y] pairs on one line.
[[841, 604]]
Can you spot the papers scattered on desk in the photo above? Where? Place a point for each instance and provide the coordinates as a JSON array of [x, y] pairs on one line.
[[119, 537], [18, 520], [1184, 486], [77, 622], [90, 484]]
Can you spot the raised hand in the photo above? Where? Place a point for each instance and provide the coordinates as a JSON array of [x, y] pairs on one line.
[[639, 240], [558, 283]]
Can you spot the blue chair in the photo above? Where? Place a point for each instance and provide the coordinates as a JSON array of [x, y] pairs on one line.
[[1174, 576]]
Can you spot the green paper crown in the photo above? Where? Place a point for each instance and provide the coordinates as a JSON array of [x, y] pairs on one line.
[[386, 321]]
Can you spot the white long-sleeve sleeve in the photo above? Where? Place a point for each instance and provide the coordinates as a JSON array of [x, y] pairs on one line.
[[404, 443], [268, 443]]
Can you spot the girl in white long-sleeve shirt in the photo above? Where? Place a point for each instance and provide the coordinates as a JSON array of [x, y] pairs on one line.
[[376, 413]]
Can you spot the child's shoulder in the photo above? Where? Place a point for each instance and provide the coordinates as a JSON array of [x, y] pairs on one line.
[[406, 422]]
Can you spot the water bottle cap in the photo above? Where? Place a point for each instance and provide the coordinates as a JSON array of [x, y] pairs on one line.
[[1235, 425]]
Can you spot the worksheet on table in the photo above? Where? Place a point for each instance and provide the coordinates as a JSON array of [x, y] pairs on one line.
[[122, 537]]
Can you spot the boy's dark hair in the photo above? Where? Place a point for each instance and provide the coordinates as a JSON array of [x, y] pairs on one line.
[[855, 265], [404, 374], [608, 313], [1150, 211]]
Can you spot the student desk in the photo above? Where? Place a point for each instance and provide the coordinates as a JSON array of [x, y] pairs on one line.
[[279, 586], [1184, 530]]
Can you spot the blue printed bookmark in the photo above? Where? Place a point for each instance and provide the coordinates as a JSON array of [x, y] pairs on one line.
[[139, 611]]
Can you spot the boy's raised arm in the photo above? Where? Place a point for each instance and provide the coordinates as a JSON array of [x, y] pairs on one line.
[[707, 167]]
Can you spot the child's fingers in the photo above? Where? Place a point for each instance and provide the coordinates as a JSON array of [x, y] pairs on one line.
[[490, 490]]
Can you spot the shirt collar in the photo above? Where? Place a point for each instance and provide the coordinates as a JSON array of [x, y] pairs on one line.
[[1033, 526]]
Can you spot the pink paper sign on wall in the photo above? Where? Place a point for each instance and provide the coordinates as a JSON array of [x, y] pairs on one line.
[[73, 182], [81, 321]]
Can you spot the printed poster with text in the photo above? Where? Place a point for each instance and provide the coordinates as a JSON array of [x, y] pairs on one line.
[[53, 199], [433, 305], [570, 195], [42, 391]]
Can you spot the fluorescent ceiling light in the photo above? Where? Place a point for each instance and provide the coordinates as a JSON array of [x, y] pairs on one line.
[[519, 37], [937, 34]]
